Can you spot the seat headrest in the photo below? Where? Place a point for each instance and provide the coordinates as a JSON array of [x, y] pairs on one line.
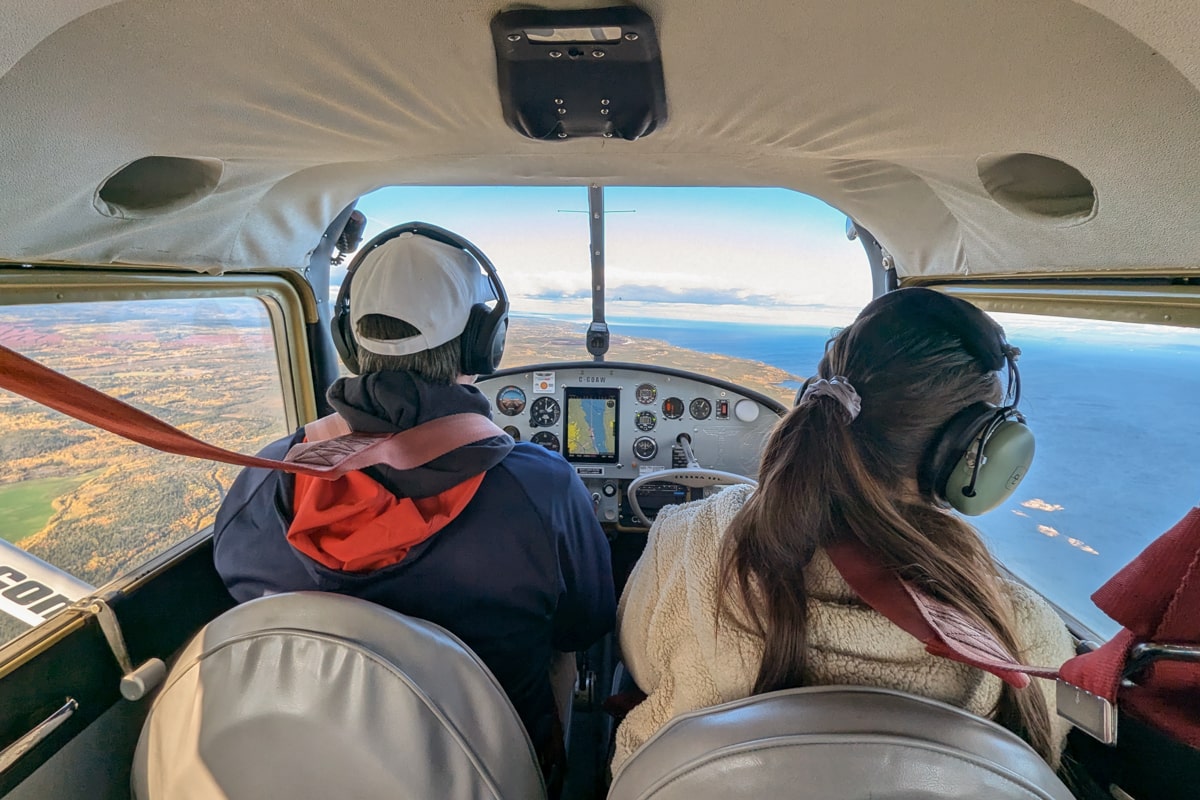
[[317, 695], [835, 742]]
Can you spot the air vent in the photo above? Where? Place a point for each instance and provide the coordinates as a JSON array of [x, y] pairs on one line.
[[157, 185], [1038, 188]]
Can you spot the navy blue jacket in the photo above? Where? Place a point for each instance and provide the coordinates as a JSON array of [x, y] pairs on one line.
[[522, 572]]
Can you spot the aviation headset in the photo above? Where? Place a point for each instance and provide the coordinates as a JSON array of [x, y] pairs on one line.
[[981, 454], [483, 337]]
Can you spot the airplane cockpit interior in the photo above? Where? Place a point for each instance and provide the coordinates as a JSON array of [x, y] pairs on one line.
[[670, 214]]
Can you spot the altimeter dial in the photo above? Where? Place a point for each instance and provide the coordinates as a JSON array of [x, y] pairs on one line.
[[544, 412]]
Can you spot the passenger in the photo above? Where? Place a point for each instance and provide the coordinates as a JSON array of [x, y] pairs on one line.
[[735, 595], [510, 557]]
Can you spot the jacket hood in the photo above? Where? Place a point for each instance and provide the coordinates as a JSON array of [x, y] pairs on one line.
[[370, 520], [390, 402]]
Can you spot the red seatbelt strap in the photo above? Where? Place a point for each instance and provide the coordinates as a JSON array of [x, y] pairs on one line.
[[944, 630], [1155, 597], [329, 458]]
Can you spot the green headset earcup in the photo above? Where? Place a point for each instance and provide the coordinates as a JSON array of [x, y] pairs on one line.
[[1007, 454]]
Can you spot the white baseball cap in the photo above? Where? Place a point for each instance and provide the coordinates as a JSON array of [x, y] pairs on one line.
[[428, 284]]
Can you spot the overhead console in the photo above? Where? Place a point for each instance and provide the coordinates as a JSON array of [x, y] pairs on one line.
[[616, 422]]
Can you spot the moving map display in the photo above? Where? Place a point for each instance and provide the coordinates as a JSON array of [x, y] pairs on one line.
[[591, 425]]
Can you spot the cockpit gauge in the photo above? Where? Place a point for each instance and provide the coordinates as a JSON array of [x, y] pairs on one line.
[[672, 408], [512, 431], [645, 420], [510, 401], [546, 439], [544, 412], [700, 408], [746, 410], [645, 448], [646, 393]]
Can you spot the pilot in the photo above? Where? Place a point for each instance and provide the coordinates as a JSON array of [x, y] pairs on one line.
[[736, 594], [496, 542]]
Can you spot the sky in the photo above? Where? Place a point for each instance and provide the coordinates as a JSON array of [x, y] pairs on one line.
[[735, 254]]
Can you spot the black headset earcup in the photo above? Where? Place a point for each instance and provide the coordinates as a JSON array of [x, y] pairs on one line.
[[483, 340], [343, 339], [803, 388], [498, 339]]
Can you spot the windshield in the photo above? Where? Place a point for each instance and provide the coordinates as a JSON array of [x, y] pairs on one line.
[[744, 284]]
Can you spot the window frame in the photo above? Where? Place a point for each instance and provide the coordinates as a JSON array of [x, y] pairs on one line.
[[1171, 302]]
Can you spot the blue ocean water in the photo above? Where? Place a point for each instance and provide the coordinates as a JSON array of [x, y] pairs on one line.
[[1118, 458]]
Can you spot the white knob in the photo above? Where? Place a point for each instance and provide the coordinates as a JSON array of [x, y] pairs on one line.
[[143, 680], [746, 410]]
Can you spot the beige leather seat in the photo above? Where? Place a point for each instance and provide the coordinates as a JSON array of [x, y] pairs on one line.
[[835, 743], [315, 695]]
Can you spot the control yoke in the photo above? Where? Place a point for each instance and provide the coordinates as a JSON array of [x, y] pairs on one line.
[[693, 476]]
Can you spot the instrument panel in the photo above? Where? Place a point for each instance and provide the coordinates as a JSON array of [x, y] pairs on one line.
[[616, 422]]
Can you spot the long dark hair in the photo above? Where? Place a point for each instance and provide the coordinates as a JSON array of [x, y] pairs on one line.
[[823, 480]]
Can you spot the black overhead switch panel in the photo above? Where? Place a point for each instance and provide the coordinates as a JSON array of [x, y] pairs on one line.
[[588, 72]]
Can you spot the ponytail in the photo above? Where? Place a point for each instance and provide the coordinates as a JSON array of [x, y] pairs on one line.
[[825, 477]]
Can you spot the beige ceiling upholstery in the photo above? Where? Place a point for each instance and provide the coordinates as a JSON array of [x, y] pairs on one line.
[[883, 108]]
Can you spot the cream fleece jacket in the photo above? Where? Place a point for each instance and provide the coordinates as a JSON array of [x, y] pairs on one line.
[[671, 643]]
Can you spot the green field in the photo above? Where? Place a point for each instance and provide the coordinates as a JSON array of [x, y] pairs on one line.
[[26, 506]]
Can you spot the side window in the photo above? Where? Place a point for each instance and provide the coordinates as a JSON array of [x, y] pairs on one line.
[[1112, 406], [92, 504]]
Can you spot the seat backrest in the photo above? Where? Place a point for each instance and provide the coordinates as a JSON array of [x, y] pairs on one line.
[[318, 695], [835, 743]]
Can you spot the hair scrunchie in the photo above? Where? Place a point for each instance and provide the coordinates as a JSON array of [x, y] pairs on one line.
[[839, 389]]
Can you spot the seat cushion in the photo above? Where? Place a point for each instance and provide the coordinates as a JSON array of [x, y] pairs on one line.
[[315, 695], [835, 743]]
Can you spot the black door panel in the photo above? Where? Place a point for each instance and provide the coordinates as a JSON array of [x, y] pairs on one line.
[[158, 613]]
